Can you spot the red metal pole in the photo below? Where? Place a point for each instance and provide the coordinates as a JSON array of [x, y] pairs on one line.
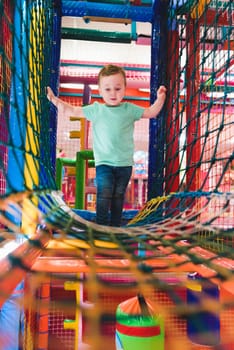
[[192, 106]]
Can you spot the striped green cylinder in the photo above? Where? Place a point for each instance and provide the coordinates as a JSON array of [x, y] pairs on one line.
[[138, 328]]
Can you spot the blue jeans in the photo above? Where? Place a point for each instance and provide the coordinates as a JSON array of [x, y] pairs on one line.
[[111, 186]]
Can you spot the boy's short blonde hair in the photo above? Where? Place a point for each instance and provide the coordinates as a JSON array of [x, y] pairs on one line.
[[111, 69]]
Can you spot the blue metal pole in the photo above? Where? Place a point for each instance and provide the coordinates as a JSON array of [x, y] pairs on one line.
[[156, 131], [18, 101], [85, 8], [54, 61]]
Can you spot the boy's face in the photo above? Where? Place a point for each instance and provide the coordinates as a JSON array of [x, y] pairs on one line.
[[112, 89]]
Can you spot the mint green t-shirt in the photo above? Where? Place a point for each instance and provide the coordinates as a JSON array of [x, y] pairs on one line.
[[113, 128]]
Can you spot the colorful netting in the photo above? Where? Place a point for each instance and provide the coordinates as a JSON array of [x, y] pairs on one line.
[[185, 227]]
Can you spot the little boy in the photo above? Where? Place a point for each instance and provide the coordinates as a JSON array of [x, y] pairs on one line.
[[113, 143]]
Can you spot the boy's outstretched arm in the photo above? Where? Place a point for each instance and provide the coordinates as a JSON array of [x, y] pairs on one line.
[[63, 107], [155, 108]]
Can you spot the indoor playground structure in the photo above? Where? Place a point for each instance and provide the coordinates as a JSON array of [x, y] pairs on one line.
[[164, 279]]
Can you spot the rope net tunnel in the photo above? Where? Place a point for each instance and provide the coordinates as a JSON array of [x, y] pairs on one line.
[[169, 270]]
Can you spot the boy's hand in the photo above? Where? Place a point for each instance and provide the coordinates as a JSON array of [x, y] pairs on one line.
[[50, 94], [161, 92], [54, 99], [63, 108]]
